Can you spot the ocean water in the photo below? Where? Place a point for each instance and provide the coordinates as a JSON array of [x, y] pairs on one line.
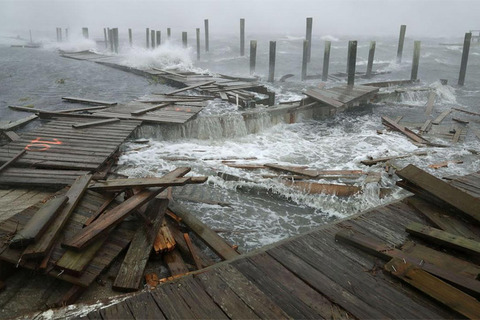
[[259, 210]]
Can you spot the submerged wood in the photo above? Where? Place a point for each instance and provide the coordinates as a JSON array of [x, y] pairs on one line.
[[407, 132], [190, 87], [372, 162], [116, 184], [339, 190]]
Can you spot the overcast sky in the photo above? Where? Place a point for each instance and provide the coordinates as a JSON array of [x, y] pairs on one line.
[[340, 17]]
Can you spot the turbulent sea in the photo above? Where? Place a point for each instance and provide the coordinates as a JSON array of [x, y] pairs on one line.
[[261, 210]]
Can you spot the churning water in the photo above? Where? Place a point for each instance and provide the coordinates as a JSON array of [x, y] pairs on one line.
[[258, 210]]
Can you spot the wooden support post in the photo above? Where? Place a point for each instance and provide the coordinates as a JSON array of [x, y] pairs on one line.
[[152, 41], [184, 39], [463, 64], [85, 32], [401, 40], [305, 59], [169, 33], [416, 60], [198, 43], [159, 38], [271, 61], [326, 60], [115, 39], [206, 36], [253, 55], [60, 35], [130, 38], [110, 37], [105, 37], [242, 37], [352, 59], [147, 36], [56, 29], [308, 37], [371, 55]]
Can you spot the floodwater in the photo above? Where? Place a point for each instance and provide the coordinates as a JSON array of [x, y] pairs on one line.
[[261, 210]]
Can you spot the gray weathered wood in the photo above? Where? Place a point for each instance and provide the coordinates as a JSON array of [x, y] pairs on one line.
[[207, 44], [371, 55], [463, 64], [308, 37], [326, 60], [352, 60], [416, 60], [197, 33], [271, 61], [190, 87], [147, 37], [89, 101], [143, 111], [94, 123], [130, 38], [11, 161], [441, 116], [253, 55], [184, 39], [304, 60], [242, 37], [401, 40]]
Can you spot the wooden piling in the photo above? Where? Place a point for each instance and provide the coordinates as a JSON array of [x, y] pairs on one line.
[[152, 41], [352, 59], [115, 39], [59, 34], [253, 55], [110, 37], [58, 39], [242, 37], [371, 55], [169, 33], [308, 37], [147, 34], [198, 43], [85, 32], [305, 59], [463, 64], [184, 39], [326, 60], [130, 38], [416, 60], [105, 37], [159, 38], [401, 40], [206, 36], [271, 61]]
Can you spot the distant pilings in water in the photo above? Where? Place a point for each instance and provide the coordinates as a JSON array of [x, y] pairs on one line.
[[59, 34], [130, 37], [184, 39], [147, 35], [401, 40], [169, 33], [105, 37], [463, 65], [206, 36], [326, 60], [66, 34], [304, 59], [351, 63], [308, 37], [152, 38], [197, 33], [242, 37], [371, 56], [85, 32], [159, 38], [271, 61], [415, 60], [253, 56]]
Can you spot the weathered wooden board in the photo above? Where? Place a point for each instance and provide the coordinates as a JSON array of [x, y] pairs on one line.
[[89, 101]]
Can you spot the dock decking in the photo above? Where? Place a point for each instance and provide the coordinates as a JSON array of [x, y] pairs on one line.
[[344, 96]]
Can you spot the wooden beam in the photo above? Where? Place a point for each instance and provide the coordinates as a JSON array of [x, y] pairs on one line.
[[15, 124], [94, 123], [12, 135], [339, 190], [435, 288], [193, 252], [444, 238], [190, 87], [39, 223], [407, 132], [211, 238], [74, 194], [295, 170], [116, 184], [442, 116], [130, 276], [175, 263], [145, 110], [95, 230], [11, 161], [89, 101], [372, 162]]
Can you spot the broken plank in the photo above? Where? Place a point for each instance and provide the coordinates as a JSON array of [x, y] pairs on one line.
[[212, 239], [372, 162], [318, 95], [131, 271], [145, 110], [38, 224], [164, 241], [12, 135], [109, 199], [291, 169], [456, 135], [444, 238], [441, 191], [466, 111], [339, 190], [426, 126], [435, 288], [431, 100], [74, 194], [89, 101], [190, 87], [82, 109], [407, 132], [193, 253], [17, 123], [175, 263], [444, 164], [116, 215], [94, 123], [15, 158], [116, 184], [442, 116]]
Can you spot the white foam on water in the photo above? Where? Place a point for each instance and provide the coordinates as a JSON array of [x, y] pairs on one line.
[[330, 38], [73, 44]]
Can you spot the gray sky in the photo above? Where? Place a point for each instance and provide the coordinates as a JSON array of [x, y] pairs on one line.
[[339, 17]]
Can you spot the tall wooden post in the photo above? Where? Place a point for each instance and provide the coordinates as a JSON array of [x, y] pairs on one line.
[[271, 61], [352, 60], [112, 42], [206, 36], [401, 40], [85, 32], [198, 43], [304, 60], [115, 39], [159, 38], [416, 60], [152, 41], [326, 60], [242, 37], [147, 34], [58, 39], [253, 55], [184, 39], [463, 64], [130, 38], [105, 37], [308, 37], [169, 33], [371, 56]]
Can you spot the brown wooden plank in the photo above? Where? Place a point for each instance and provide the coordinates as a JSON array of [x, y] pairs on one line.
[[442, 116], [372, 162], [13, 160], [175, 263], [171, 303], [319, 95], [190, 87], [410, 134], [143, 306], [143, 182], [295, 170], [74, 195], [94, 123], [435, 288], [116, 311], [11, 135], [339, 190], [145, 110], [131, 271], [88, 101]]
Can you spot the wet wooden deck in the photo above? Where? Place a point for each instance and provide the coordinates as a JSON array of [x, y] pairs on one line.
[[342, 97], [309, 276]]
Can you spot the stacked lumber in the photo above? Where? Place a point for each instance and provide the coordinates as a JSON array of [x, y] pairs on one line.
[[441, 258]]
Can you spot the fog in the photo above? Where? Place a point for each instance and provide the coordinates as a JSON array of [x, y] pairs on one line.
[[340, 17]]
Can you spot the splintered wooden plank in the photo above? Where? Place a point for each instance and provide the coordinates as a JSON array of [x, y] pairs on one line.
[[207, 235], [116, 215], [339, 190], [441, 116], [190, 87], [145, 110], [164, 241], [431, 100], [175, 263], [89, 101], [295, 170], [372, 162], [407, 132], [115, 184], [94, 123], [74, 194], [15, 158], [16, 124], [443, 238], [12, 135], [131, 271], [435, 288], [39, 223], [319, 95], [426, 126], [441, 191]]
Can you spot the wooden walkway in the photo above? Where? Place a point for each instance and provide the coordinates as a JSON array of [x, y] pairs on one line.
[[343, 97], [309, 276]]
